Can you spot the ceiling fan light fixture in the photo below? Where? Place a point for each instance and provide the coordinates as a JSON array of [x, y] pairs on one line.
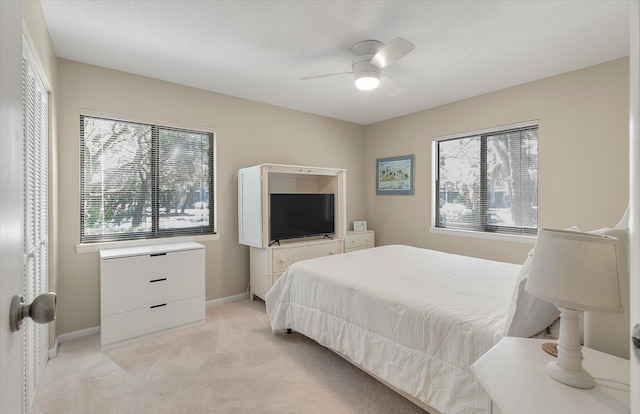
[[367, 80], [369, 57]]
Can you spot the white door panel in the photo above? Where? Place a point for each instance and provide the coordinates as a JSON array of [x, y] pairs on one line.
[[23, 211], [11, 211], [35, 170]]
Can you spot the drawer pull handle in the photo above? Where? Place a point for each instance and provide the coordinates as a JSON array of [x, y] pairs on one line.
[[158, 254], [158, 280], [157, 306]]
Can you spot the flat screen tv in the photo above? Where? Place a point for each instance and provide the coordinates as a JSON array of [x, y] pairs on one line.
[[301, 215]]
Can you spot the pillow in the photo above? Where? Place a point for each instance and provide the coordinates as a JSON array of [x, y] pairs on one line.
[[529, 314], [622, 234]]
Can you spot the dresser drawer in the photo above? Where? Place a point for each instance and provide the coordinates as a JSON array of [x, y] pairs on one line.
[[122, 326], [285, 256], [142, 294], [359, 240], [275, 277], [144, 268]]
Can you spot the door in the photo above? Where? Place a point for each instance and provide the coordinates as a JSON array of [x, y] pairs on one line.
[[634, 198], [35, 170], [11, 211]]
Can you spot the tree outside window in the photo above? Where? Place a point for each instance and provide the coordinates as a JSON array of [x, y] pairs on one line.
[[489, 182], [144, 181]]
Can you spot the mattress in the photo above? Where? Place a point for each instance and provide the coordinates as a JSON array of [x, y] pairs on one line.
[[415, 318]]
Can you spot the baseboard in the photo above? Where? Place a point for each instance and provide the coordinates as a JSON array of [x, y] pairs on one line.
[[53, 352], [228, 299]]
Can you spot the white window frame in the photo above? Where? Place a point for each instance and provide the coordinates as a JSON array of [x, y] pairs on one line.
[[517, 238], [97, 246]]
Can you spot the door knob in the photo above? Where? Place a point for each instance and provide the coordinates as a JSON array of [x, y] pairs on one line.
[[41, 310]]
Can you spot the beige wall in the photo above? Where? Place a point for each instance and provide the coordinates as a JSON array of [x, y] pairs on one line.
[[583, 157], [583, 118], [37, 35], [248, 133]]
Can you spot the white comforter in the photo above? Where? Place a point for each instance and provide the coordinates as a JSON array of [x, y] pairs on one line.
[[413, 317]]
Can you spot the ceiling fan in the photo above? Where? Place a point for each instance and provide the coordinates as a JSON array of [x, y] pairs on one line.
[[369, 57]]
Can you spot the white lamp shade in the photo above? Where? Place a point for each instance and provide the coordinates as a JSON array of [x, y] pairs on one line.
[[576, 270]]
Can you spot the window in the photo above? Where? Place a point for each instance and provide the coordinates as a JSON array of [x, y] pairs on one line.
[[143, 181], [488, 181]]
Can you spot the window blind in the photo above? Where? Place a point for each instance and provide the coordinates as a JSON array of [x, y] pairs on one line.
[[144, 181], [488, 182]]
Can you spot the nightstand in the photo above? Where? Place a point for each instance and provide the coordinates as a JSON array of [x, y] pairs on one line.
[[358, 240], [513, 374]]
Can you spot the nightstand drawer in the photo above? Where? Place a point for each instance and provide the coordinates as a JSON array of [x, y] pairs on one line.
[[360, 240]]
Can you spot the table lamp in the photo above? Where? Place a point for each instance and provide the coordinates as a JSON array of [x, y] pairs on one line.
[[576, 272]]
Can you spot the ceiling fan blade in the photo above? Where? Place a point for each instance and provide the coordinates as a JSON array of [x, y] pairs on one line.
[[392, 52], [326, 75], [390, 86]]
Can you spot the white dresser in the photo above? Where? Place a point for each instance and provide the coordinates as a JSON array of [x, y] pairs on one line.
[[358, 240], [145, 290]]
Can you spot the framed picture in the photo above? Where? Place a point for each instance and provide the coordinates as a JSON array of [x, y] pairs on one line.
[[394, 175], [359, 226]]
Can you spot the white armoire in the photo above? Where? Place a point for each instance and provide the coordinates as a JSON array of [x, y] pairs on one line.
[[255, 184]]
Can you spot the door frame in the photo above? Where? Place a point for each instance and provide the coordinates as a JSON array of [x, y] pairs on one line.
[[634, 195]]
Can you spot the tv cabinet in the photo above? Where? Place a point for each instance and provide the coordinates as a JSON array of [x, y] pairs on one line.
[[255, 184], [268, 264]]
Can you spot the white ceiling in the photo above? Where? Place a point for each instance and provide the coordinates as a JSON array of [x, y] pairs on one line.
[[259, 50]]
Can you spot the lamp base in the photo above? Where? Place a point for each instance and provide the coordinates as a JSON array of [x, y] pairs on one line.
[[567, 369], [576, 379]]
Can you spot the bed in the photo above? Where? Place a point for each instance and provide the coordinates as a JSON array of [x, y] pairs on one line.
[[413, 318]]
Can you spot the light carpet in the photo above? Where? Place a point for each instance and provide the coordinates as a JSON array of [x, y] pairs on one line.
[[232, 363]]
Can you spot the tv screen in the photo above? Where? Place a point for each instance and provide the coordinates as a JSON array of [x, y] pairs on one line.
[[301, 215]]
